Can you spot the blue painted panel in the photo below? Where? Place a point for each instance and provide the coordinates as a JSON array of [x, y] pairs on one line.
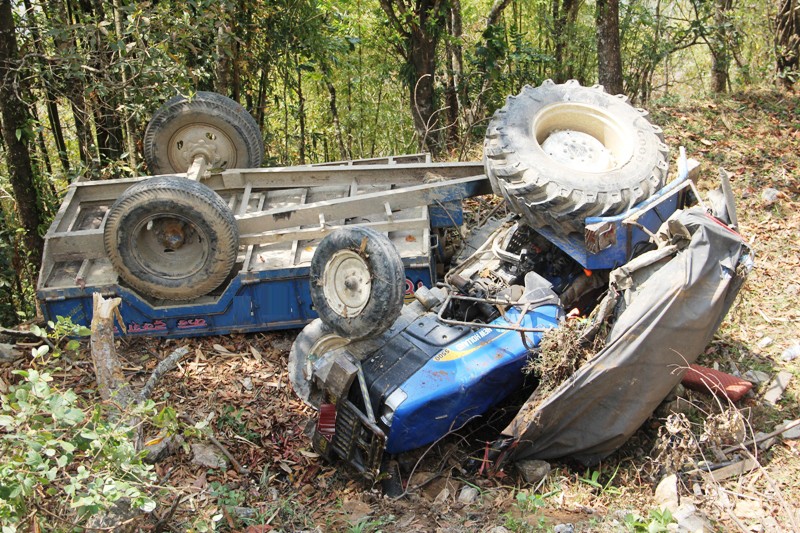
[[464, 380], [269, 300]]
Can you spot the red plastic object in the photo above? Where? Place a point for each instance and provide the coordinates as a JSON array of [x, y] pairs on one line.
[[704, 379]]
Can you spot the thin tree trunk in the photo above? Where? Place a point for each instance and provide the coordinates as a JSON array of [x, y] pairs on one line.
[[609, 59], [787, 42], [50, 97], [718, 43], [301, 112], [337, 126], [17, 155], [130, 142]]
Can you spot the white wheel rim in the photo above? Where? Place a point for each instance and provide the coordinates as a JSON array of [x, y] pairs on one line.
[[207, 140], [583, 137], [346, 283]]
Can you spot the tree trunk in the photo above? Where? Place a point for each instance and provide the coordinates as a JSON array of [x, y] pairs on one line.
[[419, 27], [454, 72], [337, 126], [130, 141], [50, 96], [609, 59], [787, 42], [301, 112], [718, 43], [15, 122], [565, 13]]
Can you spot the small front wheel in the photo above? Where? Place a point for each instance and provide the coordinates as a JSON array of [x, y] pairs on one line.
[[357, 282]]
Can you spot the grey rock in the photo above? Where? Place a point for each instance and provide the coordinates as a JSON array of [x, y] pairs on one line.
[[756, 377], [764, 342], [243, 512], [564, 528], [690, 519], [769, 196], [667, 493], [792, 352], [533, 470], [793, 433], [163, 449], [281, 344], [208, 455], [497, 529], [468, 494], [247, 383], [776, 387], [8, 353]]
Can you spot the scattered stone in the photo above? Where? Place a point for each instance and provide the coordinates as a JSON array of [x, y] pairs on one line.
[[564, 528], [162, 449], [247, 383], [667, 493], [777, 387], [690, 519], [793, 433], [498, 529], [8, 353], [756, 377], [763, 343], [769, 196], [469, 494], [243, 512], [533, 470], [792, 352], [764, 445], [734, 470], [208, 455]]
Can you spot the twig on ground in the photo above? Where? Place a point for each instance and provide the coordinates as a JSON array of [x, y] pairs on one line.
[[236, 465], [167, 517]]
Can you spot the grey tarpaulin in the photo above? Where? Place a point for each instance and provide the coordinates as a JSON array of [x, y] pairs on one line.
[[671, 302]]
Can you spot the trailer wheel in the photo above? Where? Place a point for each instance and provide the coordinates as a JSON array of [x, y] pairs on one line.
[[559, 153], [171, 238], [357, 282], [313, 342], [210, 125]]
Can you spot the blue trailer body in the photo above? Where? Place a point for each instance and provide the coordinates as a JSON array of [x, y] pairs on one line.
[[271, 300]]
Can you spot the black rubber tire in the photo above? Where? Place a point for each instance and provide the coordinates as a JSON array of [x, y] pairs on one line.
[[379, 261], [561, 189], [314, 341], [197, 264], [209, 124]]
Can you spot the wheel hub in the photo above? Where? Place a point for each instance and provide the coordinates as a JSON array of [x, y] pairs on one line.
[[346, 283], [205, 140], [169, 247], [578, 150]]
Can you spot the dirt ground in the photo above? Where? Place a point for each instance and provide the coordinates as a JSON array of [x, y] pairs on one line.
[[239, 384]]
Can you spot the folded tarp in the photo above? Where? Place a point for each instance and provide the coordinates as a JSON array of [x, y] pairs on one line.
[[668, 304]]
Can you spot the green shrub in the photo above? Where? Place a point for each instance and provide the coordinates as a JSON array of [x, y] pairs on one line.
[[63, 458]]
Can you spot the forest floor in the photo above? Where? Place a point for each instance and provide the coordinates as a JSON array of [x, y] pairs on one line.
[[239, 384]]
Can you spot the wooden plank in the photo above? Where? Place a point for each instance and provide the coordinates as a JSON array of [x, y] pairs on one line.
[[308, 234], [364, 204], [83, 244], [286, 177]]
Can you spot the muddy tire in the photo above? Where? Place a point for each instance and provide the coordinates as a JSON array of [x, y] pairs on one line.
[[357, 282], [210, 125], [171, 238], [313, 342], [559, 153]]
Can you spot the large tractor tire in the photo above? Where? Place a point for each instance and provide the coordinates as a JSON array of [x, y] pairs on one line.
[[171, 238], [209, 125], [559, 153], [357, 282]]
